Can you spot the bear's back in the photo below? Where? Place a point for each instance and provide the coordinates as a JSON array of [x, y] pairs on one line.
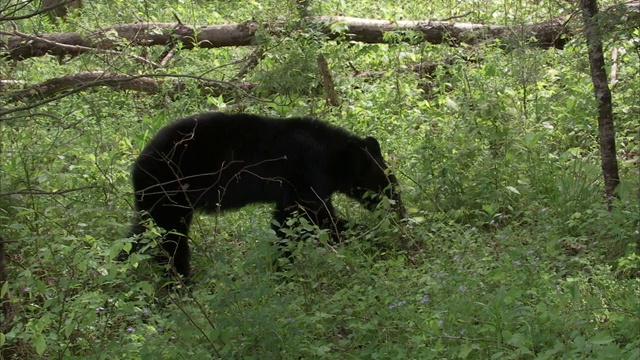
[[246, 132]]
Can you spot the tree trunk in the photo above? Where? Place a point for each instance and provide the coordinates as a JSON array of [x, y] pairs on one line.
[[327, 81], [606, 128], [8, 311]]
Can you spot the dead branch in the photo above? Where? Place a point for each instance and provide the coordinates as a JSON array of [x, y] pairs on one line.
[[85, 80], [149, 84]]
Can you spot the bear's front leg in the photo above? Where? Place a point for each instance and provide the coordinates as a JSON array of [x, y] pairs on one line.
[[324, 217], [175, 242]]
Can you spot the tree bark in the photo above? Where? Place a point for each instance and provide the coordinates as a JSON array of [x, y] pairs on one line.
[[553, 33], [327, 81], [606, 129]]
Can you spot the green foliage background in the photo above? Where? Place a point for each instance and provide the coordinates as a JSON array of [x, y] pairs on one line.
[[509, 251]]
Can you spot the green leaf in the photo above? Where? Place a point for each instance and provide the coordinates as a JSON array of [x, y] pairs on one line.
[[4, 289], [40, 344], [465, 350], [214, 334], [68, 329], [451, 104], [513, 190], [490, 70], [574, 291], [600, 338], [417, 219], [339, 27]]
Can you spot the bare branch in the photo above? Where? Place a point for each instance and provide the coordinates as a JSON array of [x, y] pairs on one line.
[[42, 192], [9, 15], [86, 80], [63, 86]]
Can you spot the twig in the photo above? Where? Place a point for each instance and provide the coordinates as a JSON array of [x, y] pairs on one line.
[[455, 17], [42, 192], [251, 62]]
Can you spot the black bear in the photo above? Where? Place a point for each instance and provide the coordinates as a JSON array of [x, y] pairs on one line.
[[215, 162]]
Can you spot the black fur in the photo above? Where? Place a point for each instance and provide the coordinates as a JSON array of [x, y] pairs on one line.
[[215, 162]]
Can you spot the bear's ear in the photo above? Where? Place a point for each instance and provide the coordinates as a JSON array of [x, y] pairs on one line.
[[372, 145], [354, 155], [359, 151]]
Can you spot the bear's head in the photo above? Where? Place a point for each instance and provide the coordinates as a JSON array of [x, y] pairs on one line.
[[371, 179]]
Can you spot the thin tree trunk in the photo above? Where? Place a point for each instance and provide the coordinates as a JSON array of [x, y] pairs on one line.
[[606, 128], [8, 311], [327, 81]]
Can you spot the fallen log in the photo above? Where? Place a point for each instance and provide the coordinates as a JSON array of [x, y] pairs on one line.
[[552, 33]]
